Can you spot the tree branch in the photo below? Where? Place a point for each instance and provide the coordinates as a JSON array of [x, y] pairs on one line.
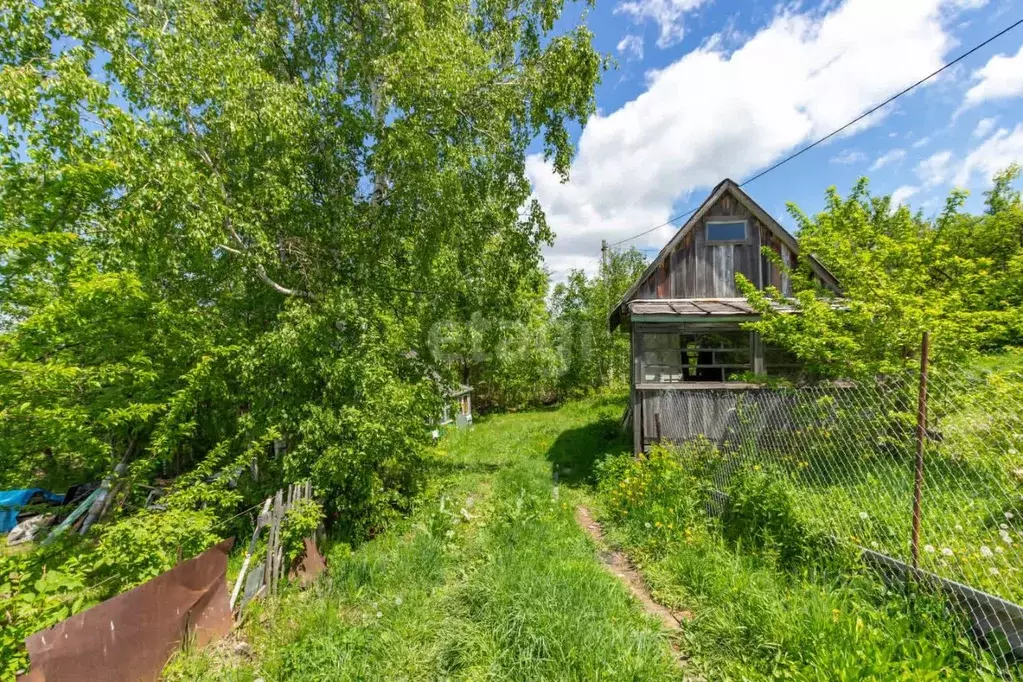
[[261, 273]]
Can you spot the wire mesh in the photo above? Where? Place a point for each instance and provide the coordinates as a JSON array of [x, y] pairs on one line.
[[849, 451]]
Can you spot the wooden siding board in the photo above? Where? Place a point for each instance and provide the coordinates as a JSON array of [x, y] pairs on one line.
[[696, 269], [693, 269]]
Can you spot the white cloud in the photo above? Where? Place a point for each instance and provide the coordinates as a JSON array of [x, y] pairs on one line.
[[713, 114], [631, 46], [890, 157], [936, 169], [669, 15], [1000, 78], [922, 142], [993, 155], [902, 193], [849, 157], [985, 126]]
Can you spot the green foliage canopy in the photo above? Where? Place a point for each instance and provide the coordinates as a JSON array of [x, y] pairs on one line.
[[957, 276]]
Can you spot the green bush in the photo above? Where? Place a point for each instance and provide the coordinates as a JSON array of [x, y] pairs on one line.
[[760, 514], [654, 497], [301, 520]]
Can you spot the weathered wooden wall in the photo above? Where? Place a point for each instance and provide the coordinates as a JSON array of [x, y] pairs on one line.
[[680, 414], [696, 269]]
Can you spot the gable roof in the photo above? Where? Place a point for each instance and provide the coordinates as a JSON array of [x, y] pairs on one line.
[[726, 186]]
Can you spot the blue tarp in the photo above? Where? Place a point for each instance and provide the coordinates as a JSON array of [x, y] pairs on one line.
[[11, 502]]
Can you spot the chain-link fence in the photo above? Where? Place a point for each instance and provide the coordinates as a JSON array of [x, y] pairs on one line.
[[849, 450]]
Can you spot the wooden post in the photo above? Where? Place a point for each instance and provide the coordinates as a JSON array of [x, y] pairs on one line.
[[921, 435], [260, 520], [657, 425], [636, 348], [757, 352], [273, 546]]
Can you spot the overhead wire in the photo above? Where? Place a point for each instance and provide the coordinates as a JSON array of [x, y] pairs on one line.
[[837, 131]]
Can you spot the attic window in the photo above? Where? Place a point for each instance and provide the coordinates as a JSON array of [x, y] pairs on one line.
[[725, 232]]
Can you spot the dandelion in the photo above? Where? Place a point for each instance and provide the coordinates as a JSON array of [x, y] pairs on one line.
[[993, 571], [380, 614], [947, 551], [397, 601], [929, 549], [864, 515], [985, 551], [647, 524]]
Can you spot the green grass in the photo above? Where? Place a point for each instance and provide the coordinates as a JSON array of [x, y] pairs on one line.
[[489, 579], [771, 598]]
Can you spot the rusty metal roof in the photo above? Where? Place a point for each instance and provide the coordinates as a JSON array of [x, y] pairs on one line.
[[699, 307]]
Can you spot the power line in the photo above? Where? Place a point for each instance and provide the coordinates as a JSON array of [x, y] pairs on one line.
[[838, 130]]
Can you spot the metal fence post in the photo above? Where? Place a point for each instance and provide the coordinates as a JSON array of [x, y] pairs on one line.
[[921, 435]]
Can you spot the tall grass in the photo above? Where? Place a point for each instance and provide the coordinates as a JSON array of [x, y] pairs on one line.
[[771, 597], [489, 579]]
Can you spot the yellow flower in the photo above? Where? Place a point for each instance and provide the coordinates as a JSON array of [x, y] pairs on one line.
[[834, 615]]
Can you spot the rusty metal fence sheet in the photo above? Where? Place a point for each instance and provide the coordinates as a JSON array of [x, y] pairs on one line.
[[132, 636]]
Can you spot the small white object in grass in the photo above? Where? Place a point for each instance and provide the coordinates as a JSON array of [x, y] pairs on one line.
[[449, 534], [647, 524], [1008, 516], [947, 551], [465, 514], [864, 515], [959, 526], [929, 549], [993, 571], [985, 551], [1003, 526], [999, 550], [379, 614], [397, 601]]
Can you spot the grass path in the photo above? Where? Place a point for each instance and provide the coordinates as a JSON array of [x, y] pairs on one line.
[[490, 578]]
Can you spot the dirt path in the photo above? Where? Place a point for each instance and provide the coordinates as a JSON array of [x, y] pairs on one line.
[[618, 564]]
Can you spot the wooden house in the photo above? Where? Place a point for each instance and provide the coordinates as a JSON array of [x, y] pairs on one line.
[[684, 316]]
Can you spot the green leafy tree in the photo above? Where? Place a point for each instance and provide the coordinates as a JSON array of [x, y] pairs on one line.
[[900, 274], [225, 224], [592, 355]]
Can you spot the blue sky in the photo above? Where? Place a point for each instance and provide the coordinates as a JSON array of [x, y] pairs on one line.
[[712, 88]]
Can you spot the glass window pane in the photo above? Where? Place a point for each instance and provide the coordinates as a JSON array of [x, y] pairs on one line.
[[726, 232], [701, 356]]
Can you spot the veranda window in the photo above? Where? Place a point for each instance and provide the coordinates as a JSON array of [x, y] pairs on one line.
[[694, 355]]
